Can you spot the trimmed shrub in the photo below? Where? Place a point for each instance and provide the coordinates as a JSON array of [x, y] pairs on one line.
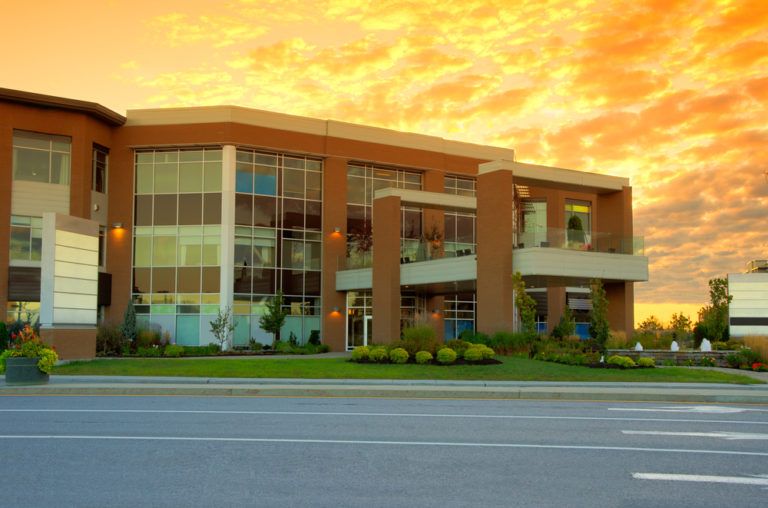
[[253, 345], [459, 346], [423, 357], [209, 350], [314, 337], [511, 343], [173, 351], [446, 356], [473, 354], [149, 352], [622, 361], [378, 354], [398, 355], [148, 338], [487, 352], [646, 362]]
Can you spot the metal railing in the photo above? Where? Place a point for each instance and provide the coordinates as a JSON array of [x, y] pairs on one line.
[[581, 240]]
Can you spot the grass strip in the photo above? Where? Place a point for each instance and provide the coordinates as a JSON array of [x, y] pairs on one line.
[[511, 369]]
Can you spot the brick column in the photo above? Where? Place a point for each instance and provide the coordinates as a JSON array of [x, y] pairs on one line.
[[386, 269], [556, 301], [334, 249], [621, 306], [495, 212]]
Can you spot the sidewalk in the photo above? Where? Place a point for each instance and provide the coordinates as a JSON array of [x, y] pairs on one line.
[[427, 389]]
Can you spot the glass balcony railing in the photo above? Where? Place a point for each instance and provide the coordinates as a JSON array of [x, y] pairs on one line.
[[581, 240]]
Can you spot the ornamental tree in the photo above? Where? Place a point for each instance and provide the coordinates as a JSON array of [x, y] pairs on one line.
[[274, 318]]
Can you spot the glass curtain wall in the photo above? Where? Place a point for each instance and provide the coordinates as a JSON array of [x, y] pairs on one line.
[[534, 224], [459, 314], [177, 241], [278, 243], [362, 182]]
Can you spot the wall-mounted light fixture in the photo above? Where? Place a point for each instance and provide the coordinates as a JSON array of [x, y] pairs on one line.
[[335, 310], [337, 230], [435, 311], [117, 225]]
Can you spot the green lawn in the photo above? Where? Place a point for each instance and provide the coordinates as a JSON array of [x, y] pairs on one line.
[[512, 369]]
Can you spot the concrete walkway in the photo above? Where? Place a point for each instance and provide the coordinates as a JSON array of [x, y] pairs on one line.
[[430, 389]]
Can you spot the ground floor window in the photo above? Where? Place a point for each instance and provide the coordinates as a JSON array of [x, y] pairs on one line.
[[459, 314], [27, 312]]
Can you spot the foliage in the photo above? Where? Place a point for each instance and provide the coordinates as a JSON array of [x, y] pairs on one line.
[[574, 223], [707, 361], [360, 353], [110, 340], [566, 326], [423, 357], [713, 318], [486, 352], [314, 337], [398, 355], [646, 362], [759, 345], [254, 345], [147, 338], [274, 317], [3, 336], [473, 354], [173, 351], [622, 361], [651, 324], [128, 328], [446, 356], [418, 338], [222, 327], [681, 327], [598, 326], [526, 305], [506, 343], [378, 354], [743, 358], [27, 344], [459, 346], [619, 340], [151, 352], [285, 347], [209, 350]]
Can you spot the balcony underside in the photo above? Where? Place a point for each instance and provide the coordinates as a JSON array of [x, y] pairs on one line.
[[540, 267]]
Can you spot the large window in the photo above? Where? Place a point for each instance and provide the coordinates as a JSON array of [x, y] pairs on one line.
[[278, 242], [461, 186], [177, 241], [459, 226], [26, 238], [534, 224], [100, 163], [362, 183], [578, 222], [41, 158]]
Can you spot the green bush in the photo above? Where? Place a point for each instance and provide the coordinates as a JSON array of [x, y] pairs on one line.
[[474, 337], [459, 346], [284, 347], [149, 352], [446, 356], [423, 357], [253, 345], [314, 338], [398, 355], [707, 361], [473, 354], [622, 361], [209, 350], [109, 340], [719, 345], [418, 338], [378, 354], [646, 362], [173, 351], [669, 363], [148, 338], [487, 352]]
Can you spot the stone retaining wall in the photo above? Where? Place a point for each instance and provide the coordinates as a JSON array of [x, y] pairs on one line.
[[679, 357]]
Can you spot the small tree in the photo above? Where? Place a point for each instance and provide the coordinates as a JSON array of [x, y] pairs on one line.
[[681, 326], [526, 306], [713, 318], [598, 325], [651, 325], [273, 319], [567, 326], [222, 327], [128, 328]]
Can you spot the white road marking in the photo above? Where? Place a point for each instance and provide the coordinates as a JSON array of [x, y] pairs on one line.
[[740, 480], [387, 443], [691, 409], [730, 436], [404, 415]]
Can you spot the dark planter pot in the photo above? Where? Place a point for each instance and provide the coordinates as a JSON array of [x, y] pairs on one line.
[[24, 371]]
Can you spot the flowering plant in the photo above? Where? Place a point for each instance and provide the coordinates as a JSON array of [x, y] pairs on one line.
[[26, 344], [759, 366]]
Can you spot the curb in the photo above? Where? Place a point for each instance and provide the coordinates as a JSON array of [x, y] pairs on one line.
[[602, 393]]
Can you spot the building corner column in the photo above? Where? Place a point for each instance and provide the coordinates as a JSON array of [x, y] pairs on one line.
[[226, 275], [334, 250], [495, 223], [386, 269]]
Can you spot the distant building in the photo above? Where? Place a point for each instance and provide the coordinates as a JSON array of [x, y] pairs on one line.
[[748, 311]]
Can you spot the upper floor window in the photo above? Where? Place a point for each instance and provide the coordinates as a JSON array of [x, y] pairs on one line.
[[578, 221], [460, 186], [41, 158], [26, 238], [100, 164]]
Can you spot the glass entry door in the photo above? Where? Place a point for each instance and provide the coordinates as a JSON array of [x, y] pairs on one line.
[[368, 330]]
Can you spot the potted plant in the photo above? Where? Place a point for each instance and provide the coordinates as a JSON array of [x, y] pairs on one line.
[[434, 238], [575, 229], [28, 360]]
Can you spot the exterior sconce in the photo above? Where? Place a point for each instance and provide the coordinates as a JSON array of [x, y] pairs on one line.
[[435, 311], [337, 230], [335, 310], [117, 225]]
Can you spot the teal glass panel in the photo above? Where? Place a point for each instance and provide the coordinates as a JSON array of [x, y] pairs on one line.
[[188, 330]]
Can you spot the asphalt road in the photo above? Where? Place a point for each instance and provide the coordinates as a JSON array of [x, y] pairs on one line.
[[231, 451]]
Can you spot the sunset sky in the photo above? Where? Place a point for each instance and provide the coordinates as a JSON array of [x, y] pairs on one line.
[[671, 94]]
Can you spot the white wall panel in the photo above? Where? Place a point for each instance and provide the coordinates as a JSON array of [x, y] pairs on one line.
[[75, 301], [78, 256], [69, 239], [75, 271], [74, 316], [36, 198]]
